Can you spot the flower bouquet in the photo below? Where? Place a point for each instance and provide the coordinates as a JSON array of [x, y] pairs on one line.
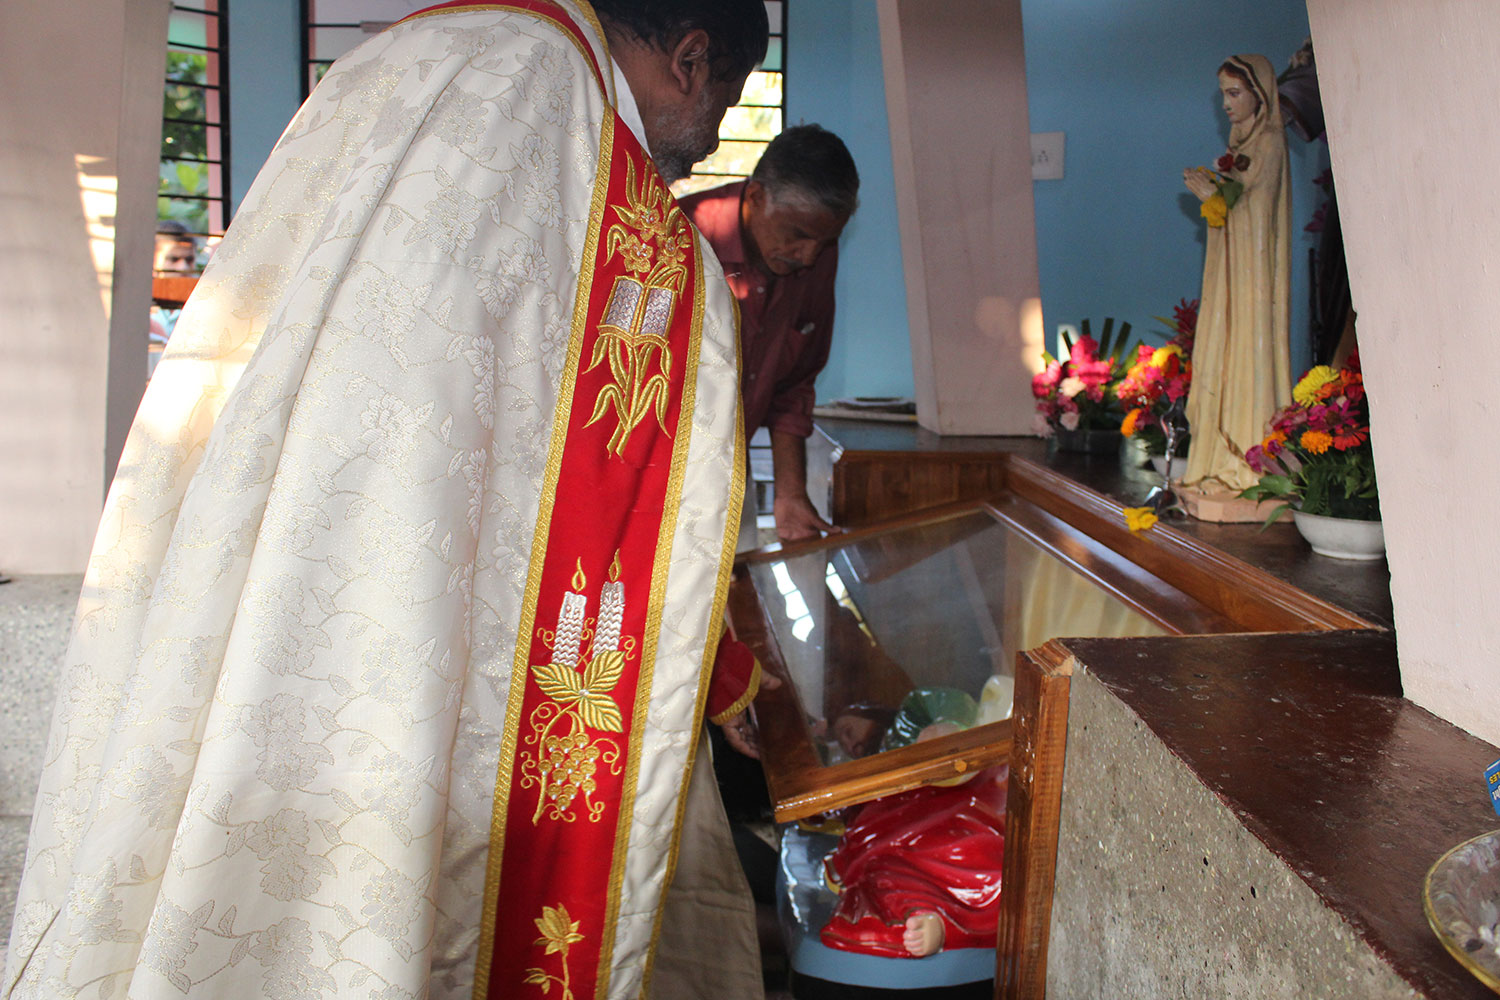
[[1227, 190], [1317, 458], [1157, 380], [1077, 394]]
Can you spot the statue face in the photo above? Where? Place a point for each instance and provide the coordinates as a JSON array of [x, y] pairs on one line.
[[1240, 103]]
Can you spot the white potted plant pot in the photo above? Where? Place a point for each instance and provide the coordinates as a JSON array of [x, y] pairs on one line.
[[1341, 537]]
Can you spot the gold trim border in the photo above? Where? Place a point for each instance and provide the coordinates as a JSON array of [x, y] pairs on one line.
[[520, 664], [671, 505], [705, 669], [751, 690]]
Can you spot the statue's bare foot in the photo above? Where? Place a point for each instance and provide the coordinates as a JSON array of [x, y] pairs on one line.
[[924, 934]]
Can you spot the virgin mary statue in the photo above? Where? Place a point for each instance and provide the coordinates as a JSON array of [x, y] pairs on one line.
[[1241, 365]]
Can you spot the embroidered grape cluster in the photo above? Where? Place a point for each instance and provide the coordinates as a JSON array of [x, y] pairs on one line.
[[567, 767]]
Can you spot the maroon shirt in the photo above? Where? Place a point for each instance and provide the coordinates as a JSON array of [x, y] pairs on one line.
[[786, 323]]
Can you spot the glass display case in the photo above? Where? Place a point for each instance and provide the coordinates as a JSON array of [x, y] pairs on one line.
[[897, 644]]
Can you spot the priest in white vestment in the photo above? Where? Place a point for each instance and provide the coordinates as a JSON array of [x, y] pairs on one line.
[[391, 658]]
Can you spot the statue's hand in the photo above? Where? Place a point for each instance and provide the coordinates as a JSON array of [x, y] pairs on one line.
[[1200, 182]]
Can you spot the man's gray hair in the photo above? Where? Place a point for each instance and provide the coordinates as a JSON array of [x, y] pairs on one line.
[[810, 163]]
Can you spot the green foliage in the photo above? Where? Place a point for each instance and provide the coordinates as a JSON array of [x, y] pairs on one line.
[[1231, 191], [1115, 348], [1333, 484]]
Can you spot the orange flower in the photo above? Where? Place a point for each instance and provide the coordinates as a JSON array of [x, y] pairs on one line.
[[1131, 423], [1316, 442]]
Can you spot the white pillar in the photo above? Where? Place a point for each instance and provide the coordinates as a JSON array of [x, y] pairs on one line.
[[79, 136], [955, 83]]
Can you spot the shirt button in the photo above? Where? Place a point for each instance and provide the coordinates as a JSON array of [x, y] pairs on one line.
[[761, 289], [751, 376]]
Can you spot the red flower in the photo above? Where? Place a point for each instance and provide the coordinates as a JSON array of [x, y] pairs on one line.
[[1185, 316], [1225, 163], [1350, 437]]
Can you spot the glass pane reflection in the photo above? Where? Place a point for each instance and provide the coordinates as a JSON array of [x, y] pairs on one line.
[[914, 633]]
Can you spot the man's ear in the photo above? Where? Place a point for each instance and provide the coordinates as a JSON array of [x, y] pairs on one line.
[[690, 69], [756, 195]]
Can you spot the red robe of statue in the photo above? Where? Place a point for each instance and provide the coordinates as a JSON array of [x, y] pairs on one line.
[[930, 849]]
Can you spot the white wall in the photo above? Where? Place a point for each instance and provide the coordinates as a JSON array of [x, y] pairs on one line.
[[1408, 89], [64, 160]]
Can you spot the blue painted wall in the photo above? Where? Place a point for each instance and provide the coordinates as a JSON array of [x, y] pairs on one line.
[[1133, 85], [265, 73], [834, 78]]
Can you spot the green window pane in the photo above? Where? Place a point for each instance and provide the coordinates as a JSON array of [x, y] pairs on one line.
[[184, 177], [190, 28], [192, 213], [772, 61], [192, 67], [184, 140], [185, 101]]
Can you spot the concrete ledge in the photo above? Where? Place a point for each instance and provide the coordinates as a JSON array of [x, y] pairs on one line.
[[1162, 892], [1253, 816]]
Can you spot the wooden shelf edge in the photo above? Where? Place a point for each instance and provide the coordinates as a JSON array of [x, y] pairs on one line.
[[1103, 519]]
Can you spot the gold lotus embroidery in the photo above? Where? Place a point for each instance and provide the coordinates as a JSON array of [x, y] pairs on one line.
[[559, 933], [588, 660], [653, 239]]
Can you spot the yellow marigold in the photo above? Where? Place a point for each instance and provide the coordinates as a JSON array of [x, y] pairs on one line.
[[1139, 518], [1306, 391], [1214, 210], [1316, 442], [1130, 424], [1161, 354]]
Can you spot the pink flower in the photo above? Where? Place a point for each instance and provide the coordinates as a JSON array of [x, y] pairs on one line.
[[1041, 426], [1085, 349], [1069, 421], [1046, 380]]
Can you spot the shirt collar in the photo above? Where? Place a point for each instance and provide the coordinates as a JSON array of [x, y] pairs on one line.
[[720, 223], [630, 112]]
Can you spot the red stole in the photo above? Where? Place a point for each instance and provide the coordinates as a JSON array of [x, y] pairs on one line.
[[581, 680]]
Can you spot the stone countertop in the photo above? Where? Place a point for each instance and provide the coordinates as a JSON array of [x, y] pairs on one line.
[[1306, 738]]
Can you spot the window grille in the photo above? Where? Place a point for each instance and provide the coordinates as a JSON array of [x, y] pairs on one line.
[[193, 184], [333, 27]]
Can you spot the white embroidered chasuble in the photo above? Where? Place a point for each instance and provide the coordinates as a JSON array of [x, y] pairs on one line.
[[272, 765]]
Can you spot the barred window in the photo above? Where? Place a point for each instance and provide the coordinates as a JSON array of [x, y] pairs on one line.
[[333, 27], [193, 184], [751, 124]]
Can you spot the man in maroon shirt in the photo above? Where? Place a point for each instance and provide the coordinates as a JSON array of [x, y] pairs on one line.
[[776, 235]]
